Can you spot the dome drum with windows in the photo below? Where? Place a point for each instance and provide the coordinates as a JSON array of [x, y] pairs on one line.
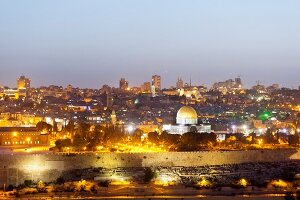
[[187, 115]]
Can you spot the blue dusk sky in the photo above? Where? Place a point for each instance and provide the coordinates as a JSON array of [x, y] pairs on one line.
[[88, 43]]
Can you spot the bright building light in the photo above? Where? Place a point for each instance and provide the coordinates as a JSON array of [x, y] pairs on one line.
[[284, 130], [130, 128], [260, 141], [164, 180], [279, 183], [204, 183], [243, 182]]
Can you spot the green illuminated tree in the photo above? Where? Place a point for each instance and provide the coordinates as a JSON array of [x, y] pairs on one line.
[[264, 115]]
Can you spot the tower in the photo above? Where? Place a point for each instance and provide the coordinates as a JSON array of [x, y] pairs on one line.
[[23, 83], [123, 85], [113, 118], [179, 83], [156, 82], [109, 100]]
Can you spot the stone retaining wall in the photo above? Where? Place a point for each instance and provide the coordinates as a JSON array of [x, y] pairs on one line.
[[47, 167]]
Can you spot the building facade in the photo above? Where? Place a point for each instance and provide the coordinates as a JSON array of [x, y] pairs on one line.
[[156, 82], [22, 137], [187, 121]]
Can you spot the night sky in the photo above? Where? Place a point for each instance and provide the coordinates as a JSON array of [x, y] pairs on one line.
[[88, 43]]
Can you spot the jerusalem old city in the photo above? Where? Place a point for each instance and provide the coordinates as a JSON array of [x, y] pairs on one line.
[[159, 99]]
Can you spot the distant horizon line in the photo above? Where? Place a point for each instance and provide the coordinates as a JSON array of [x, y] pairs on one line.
[[168, 87]]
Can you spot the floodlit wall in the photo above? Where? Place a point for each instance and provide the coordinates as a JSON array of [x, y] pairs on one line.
[[14, 169]]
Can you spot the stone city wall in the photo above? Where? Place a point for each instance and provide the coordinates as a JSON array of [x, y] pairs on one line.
[[14, 169]]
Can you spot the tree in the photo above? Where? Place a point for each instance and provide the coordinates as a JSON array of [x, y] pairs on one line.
[[28, 183], [63, 143], [60, 180], [153, 137], [136, 136], [96, 137], [78, 142], [253, 137], [43, 126], [70, 127], [269, 137], [83, 130], [55, 128], [190, 141], [149, 175], [10, 188], [293, 139]]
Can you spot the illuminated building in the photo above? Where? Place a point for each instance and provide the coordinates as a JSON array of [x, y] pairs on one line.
[[109, 100], [8, 119], [113, 118], [156, 82], [187, 115], [179, 83], [69, 88], [153, 92], [11, 93], [123, 85], [23, 83], [228, 85], [23, 86], [22, 136], [146, 87], [259, 88], [187, 121]]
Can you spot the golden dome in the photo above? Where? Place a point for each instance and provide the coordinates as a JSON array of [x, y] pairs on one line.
[[187, 115]]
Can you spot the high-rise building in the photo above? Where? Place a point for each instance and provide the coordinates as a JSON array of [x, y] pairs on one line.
[[69, 88], [109, 100], [156, 82], [238, 80], [146, 87], [23, 83], [179, 83], [123, 84]]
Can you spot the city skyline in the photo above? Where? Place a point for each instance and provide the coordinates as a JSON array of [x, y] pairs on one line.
[[124, 84], [96, 43], [151, 99]]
